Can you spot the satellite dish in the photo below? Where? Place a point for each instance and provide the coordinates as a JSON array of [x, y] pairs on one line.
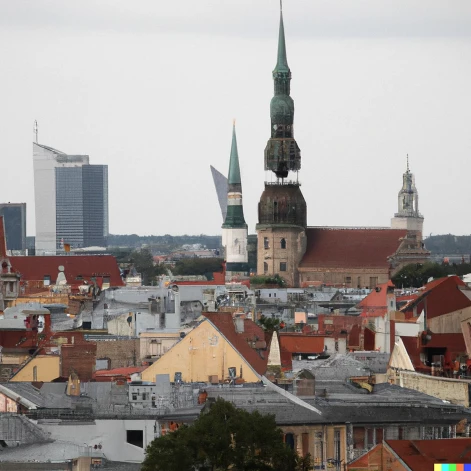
[[61, 268]]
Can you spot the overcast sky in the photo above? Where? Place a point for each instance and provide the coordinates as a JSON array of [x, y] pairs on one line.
[[150, 87]]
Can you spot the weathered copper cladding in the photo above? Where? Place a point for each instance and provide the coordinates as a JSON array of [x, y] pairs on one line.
[[282, 204]]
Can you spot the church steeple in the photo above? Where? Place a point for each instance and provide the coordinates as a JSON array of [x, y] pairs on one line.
[[233, 178], [282, 62], [235, 210], [282, 221], [408, 197], [282, 153], [234, 229]]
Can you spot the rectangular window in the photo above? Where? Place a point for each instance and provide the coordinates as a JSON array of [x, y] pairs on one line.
[[282, 266], [266, 244], [144, 396], [134, 396], [318, 451], [47, 280], [305, 442], [135, 437], [373, 282], [337, 449], [348, 280]]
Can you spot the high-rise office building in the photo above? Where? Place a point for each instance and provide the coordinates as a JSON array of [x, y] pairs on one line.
[[71, 199], [14, 216]]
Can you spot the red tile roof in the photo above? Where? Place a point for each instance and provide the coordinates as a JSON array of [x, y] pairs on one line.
[[440, 296], [115, 372], [223, 321], [421, 455], [350, 247], [453, 344], [301, 343], [375, 304], [84, 266]]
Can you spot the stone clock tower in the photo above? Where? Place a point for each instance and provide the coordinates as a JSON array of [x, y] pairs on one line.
[[281, 227]]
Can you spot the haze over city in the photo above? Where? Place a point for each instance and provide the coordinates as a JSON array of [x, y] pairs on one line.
[[151, 88]]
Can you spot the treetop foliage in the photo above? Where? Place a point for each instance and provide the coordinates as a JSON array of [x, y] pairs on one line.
[[416, 275], [222, 438]]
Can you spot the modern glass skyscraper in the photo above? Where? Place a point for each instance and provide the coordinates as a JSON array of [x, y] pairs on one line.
[[71, 200], [14, 216], [82, 205]]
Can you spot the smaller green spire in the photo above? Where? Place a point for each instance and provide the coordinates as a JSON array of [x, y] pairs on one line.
[[233, 177], [282, 61], [235, 210]]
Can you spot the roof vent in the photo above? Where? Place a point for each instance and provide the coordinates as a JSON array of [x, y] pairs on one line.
[[239, 325]]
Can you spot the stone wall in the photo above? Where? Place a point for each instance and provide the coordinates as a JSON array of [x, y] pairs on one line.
[[449, 323], [454, 390], [289, 253], [122, 353], [349, 277]]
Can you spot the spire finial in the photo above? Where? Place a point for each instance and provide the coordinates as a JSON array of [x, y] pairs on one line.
[[407, 163], [233, 122], [35, 129], [282, 62]]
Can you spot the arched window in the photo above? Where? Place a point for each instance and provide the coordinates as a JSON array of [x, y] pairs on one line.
[[289, 440], [283, 243]]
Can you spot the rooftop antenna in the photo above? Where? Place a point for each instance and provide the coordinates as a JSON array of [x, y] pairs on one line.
[[407, 159], [36, 130]]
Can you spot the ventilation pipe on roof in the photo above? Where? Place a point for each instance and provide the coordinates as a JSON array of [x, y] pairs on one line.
[[239, 325]]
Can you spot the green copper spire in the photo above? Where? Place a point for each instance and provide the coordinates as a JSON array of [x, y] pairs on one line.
[[282, 61], [235, 210], [233, 177]]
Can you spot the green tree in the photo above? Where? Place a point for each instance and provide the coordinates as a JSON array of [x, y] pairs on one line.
[[143, 263], [416, 275], [269, 324], [222, 438], [198, 266]]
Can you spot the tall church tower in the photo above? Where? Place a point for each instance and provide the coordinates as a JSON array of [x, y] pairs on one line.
[[281, 227], [408, 216], [234, 229]]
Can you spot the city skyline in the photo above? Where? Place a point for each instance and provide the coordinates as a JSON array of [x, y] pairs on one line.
[[152, 92]]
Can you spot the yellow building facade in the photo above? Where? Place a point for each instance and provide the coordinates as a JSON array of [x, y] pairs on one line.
[[41, 368], [203, 355]]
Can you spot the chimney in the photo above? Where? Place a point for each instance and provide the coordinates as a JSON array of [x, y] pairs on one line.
[[3, 240], [239, 325]]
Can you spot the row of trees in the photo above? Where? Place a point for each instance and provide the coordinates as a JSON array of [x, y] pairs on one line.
[[417, 274], [224, 438], [143, 262]]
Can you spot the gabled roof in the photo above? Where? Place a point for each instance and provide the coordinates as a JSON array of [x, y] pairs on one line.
[[440, 296], [301, 343], [423, 454], [350, 247], [375, 304], [224, 322], [77, 268], [453, 344]]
